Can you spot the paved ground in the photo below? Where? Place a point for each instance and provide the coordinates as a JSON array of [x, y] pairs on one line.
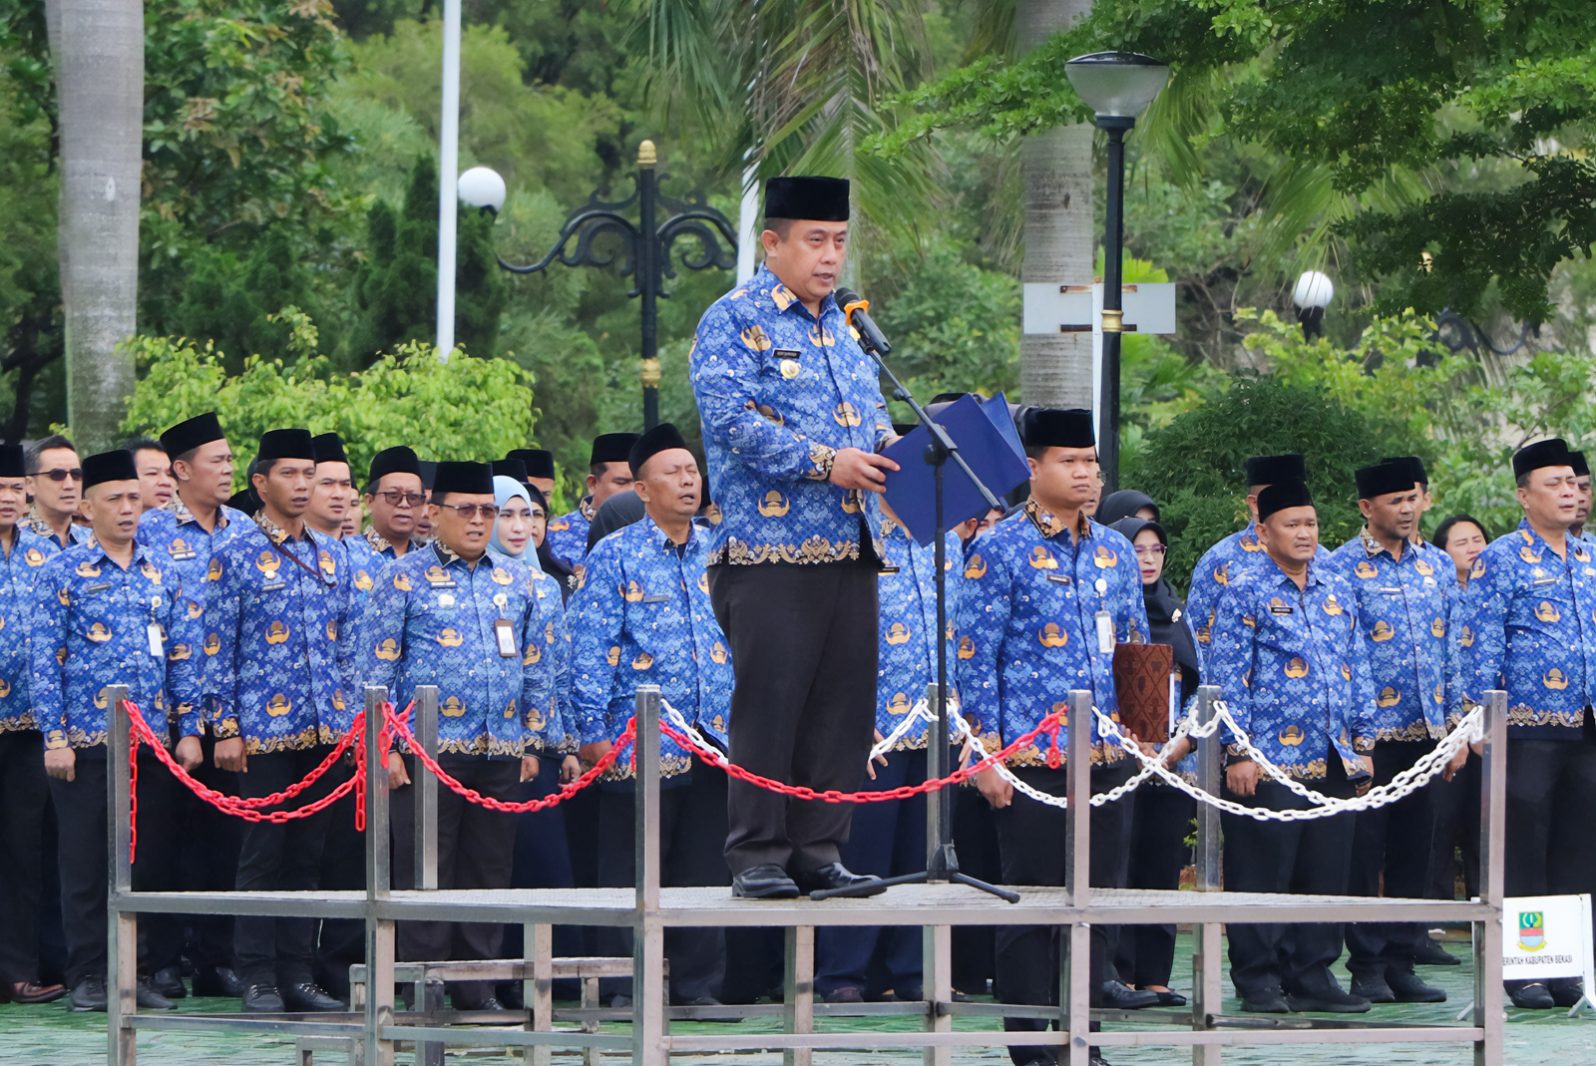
[[51, 1036]]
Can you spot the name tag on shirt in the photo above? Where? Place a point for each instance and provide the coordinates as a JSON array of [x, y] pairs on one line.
[[504, 634], [656, 599], [1059, 579], [1105, 632], [157, 639], [1549, 579], [90, 590], [1280, 608]]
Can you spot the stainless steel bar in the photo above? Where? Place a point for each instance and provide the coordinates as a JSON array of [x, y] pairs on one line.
[[1207, 988], [537, 987], [377, 1048], [236, 1023], [936, 941], [649, 1031], [426, 789], [511, 1038], [799, 1000], [1488, 992], [121, 925], [1075, 976]]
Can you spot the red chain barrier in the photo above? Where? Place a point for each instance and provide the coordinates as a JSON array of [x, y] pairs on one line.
[[133, 798], [1049, 724], [471, 795]]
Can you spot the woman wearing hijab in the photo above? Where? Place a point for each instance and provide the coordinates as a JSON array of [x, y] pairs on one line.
[[1162, 814]]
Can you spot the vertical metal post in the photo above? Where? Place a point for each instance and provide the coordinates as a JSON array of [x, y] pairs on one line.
[[649, 1039], [799, 1003], [424, 794], [121, 924], [1206, 990], [379, 1009], [1113, 300], [648, 277], [936, 941], [1075, 1004], [1488, 931], [448, 176], [537, 987]]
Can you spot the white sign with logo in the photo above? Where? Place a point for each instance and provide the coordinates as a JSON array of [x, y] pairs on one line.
[[1548, 938]]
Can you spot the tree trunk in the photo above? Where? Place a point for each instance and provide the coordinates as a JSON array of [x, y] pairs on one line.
[[98, 48], [1060, 231]]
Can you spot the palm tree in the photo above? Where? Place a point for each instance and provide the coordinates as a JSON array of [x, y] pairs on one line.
[[98, 50]]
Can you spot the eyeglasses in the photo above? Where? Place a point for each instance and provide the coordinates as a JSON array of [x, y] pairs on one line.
[[1150, 549], [396, 498], [468, 511], [62, 473]]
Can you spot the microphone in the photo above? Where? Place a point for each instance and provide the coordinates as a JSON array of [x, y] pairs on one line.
[[857, 311]]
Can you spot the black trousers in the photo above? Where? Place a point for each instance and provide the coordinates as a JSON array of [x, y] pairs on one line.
[[975, 839], [888, 839], [692, 828], [1393, 840], [342, 941], [803, 644], [80, 806], [1310, 858], [476, 848], [1551, 790], [1160, 822], [1031, 843], [1455, 841], [208, 858], [23, 798], [280, 951]]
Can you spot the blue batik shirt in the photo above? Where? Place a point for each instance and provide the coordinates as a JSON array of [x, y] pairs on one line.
[[567, 534], [19, 569], [643, 617], [1527, 624], [434, 618], [907, 659], [285, 606], [1028, 631], [76, 534], [90, 627], [1290, 664], [1219, 567], [1403, 607], [780, 392]]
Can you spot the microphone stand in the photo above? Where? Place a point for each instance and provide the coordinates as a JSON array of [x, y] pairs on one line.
[[942, 861]]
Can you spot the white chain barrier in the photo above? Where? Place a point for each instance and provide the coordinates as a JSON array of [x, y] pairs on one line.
[[920, 712]]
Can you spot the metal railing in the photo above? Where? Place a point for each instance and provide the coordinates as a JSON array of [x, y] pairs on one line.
[[374, 1031]]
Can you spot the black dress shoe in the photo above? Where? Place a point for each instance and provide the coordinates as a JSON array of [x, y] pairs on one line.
[[511, 994], [262, 999], [491, 1003], [1373, 988], [844, 994], [1408, 988], [309, 996], [148, 998], [697, 1001], [1430, 953], [909, 994], [765, 881], [26, 992], [168, 981], [1170, 998], [835, 875], [1532, 996], [1566, 993], [1117, 995], [621, 1002], [1328, 999], [1266, 1001], [89, 994], [218, 981]]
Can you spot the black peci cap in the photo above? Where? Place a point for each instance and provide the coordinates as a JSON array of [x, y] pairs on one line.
[[116, 465], [329, 448], [513, 469], [662, 438], [539, 462], [193, 433], [1384, 478], [285, 444], [396, 460], [1283, 494], [1415, 464], [13, 461], [1581, 467], [612, 448], [1552, 452], [1054, 427], [1268, 469], [817, 199], [471, 478]]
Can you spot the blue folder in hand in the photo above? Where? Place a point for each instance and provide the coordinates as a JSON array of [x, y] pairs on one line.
[[984, 433]]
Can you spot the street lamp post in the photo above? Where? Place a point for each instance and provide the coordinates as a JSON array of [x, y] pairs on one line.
[[644, 246], [1117, 86], [1312, 295]]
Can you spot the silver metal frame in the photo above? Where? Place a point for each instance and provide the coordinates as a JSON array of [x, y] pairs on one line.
[[376, 1028]]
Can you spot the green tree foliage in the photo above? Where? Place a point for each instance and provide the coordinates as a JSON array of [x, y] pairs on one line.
[[373, 408]]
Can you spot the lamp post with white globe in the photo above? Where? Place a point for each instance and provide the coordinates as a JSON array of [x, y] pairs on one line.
[[600, 234], [1312, 295]]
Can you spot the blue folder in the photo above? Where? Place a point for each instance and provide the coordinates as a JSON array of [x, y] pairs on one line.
[[984, 433]]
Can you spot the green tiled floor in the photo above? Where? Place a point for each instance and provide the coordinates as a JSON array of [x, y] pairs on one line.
[[51, 1036]]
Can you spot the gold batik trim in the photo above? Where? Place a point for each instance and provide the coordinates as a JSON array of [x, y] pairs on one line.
[[669, 766], [483, 745], [305, 738], [1411, 731], [812, 551], [21, 723], [1102, 755], [1525, 717]]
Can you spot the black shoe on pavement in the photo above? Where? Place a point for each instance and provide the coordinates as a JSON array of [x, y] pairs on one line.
[[491, 1003], [1566, 993], [262, 999], [844, 994], [698, 1001], [1265, 1001], [1430, 953], [1097, 1059], [89, 994], [620, 1002], [835, 875], [908, 994], [148, 998], [511, 994], [168, 981], [1330, 999], [218, 981], [1373, 988], [309, 996], [1409, 988], [1532, 996], [28, 992], [1169, 998], [1117, 995], [765, 881]]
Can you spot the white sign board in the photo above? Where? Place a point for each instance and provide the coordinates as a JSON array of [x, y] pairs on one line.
[[1548, 938]]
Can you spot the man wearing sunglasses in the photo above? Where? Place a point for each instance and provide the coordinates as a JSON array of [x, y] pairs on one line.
[[394, 499], [485, 631], [55, 481]]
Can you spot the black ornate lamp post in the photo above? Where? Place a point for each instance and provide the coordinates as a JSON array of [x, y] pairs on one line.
[[600, 234]]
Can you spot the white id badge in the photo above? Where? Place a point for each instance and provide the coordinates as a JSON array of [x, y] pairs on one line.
[[505, 635], [1105, 632], [157, 639]]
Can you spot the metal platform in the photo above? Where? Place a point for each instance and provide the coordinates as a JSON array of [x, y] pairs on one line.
[[376, 1031]]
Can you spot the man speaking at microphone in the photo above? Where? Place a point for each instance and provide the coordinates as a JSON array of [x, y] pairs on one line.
[[793, 420]]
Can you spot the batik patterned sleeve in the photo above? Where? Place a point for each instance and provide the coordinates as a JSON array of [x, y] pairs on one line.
[[597, 621], [381, 633], [723, 367], [541, 722], [185, 632], [224, 615], [1361, 715], [1482, 630], [1230, 658], [46, 651], [984, 603]]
